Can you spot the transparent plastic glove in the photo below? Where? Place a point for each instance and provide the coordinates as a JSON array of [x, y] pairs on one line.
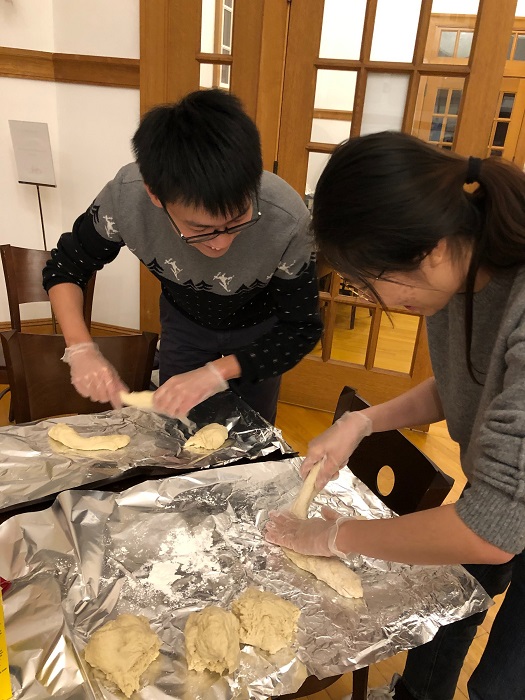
[[336, 445], [184, 391], [92, 375], [313, 536]]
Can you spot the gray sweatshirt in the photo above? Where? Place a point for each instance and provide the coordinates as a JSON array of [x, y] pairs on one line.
[[487, 421]]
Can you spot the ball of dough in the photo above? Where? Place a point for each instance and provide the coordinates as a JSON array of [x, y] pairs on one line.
[[266, 620], [123, 649], [212, 640], [211, 437]]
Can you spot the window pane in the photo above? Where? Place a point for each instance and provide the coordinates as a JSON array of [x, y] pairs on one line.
[[507, 104], [436, 128], [330, 130], [447, 44], [496, 153], [228, 3], [335, 89], [208, 27], [396, 342], [519, 51], [428, 123], [384, 105], [342, 30], [500, 134], [455, 100], [450, 128], [464, 44], [214, 75], [394, 30], [511, 41], [225, 75], [440, 106], [227, 27], [352, 327], [316, 165]]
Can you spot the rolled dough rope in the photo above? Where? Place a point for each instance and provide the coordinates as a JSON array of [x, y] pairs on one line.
[[330, 570], [143, 400], [69, 437]]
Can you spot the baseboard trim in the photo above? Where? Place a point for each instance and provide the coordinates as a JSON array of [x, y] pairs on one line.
[[44, 324]]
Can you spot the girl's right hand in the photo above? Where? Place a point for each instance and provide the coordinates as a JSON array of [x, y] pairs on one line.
[[336, 445]]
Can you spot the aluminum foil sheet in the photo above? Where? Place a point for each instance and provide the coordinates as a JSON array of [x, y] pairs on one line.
[[33, 466], [166, 548]]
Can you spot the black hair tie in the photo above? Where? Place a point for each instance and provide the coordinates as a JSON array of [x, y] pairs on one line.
[[473, 170]]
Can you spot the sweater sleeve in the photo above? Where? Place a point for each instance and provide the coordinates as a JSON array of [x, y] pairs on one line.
[[79, 253], [494, 506], [294, 294]]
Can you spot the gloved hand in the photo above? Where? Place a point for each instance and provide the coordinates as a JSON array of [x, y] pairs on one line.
[[184, 391], [336, 445], [313, 536], [92, 375]]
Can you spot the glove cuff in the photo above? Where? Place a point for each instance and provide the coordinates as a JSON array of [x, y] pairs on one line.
[[77, 349], [223, 384], [367, 427], [332, 536]]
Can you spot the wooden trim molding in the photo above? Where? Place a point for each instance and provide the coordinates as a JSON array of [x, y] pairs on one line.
[[106, 71], [44, 325]]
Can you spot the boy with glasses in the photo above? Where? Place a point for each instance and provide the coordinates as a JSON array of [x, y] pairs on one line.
[[229, 243]]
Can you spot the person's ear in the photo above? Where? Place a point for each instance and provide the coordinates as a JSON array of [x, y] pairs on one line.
[[156, 201], [438, 254]]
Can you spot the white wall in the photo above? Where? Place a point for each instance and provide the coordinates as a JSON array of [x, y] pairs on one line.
[[90, 129]]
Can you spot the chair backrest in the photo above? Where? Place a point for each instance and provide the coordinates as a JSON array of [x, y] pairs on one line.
[[23, 279], [40, 382], [418, 482]]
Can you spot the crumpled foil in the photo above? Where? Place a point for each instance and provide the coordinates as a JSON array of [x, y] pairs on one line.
[[33, 466], [169, 547]]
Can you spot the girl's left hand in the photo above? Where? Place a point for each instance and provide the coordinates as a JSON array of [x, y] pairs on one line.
[[312, 536]]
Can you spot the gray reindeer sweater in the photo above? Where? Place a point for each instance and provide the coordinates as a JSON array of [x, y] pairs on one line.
[[487, 421], [269, 270]]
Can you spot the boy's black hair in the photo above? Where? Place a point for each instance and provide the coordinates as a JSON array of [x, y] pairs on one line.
[[203, 151]]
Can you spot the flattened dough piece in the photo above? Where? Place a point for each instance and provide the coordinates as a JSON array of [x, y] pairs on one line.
[[123, 649], [330, 570], [138, 399], [307, 493], [211, 437], [266, 620], [69, 437], [212, 640]]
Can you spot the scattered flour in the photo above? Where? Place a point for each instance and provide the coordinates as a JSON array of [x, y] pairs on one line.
[[183, 553]]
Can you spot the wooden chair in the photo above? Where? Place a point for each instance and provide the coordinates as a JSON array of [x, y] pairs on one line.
[[418, 484], [23, 280], [41, 382]]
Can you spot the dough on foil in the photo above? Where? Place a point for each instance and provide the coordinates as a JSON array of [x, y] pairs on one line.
[[211, 437], [69, 437], [331, 570], [212, 640], [123, 649], [138, 399], [266, 620]]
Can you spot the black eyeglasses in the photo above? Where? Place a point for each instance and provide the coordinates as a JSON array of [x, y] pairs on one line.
[[229, 230]]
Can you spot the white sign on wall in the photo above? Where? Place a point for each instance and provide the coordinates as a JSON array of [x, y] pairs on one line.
[[34, 161]]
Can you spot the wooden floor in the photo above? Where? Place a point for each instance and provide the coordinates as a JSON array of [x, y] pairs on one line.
[[299, 426]]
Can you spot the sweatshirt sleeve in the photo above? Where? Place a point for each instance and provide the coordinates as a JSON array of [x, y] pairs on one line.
[[294, 293], [494, 506], [79, 253]]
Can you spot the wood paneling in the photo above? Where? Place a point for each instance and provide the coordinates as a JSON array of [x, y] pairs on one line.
[[69, 68]]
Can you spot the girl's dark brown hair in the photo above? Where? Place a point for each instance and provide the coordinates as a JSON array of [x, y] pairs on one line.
[[385, 200]]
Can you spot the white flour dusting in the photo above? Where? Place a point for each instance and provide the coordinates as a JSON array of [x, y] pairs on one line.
[[182, 553]]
